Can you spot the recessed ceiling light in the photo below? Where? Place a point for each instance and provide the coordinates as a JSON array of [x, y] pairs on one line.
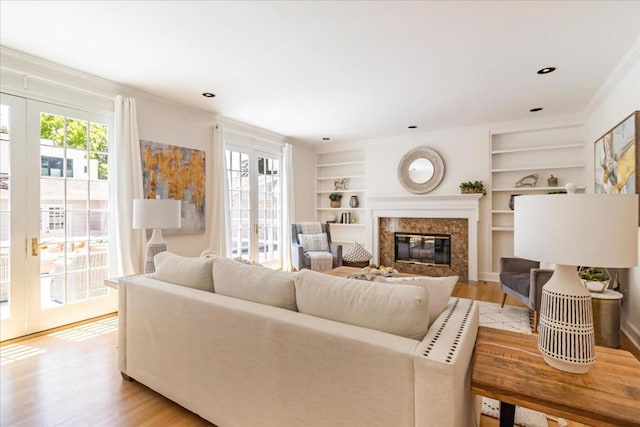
[[547, 70], [413, 127], [208, 95], [535, 110], [325, 138]]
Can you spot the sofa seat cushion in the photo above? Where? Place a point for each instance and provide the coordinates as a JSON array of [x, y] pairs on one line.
[[184, 271], [398, 310], [439, 289], [254, 283]]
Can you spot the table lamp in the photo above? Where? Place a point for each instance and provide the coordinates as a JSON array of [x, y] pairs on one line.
[[155, 214], [571, 230]]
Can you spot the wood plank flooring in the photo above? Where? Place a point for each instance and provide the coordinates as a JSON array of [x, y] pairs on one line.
[[70, 377]]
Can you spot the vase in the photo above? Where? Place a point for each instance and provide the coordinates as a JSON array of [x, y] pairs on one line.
[[512, 201], [354, 202], [335, 203]]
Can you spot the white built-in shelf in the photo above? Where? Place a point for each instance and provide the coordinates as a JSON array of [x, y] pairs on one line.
[[339, 224], [355, 190], [540, 167], [501, 228], [340, 209], [541, 148], [503, 211], [324, 178], [529, 189], [328, 165]]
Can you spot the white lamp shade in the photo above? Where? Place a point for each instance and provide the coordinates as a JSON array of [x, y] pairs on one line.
[[577, 229], [156, 213]]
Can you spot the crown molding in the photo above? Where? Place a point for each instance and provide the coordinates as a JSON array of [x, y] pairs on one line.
[[620, 70]]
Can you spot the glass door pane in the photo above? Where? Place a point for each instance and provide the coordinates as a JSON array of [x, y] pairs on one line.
[[239, 203], [5, 213], [269, 209]]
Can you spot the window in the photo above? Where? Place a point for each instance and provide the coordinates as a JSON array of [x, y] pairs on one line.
[[52, 166]]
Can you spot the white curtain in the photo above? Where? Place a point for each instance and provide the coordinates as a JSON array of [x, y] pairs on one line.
[[220, 234], [125, 185], [288, 207]]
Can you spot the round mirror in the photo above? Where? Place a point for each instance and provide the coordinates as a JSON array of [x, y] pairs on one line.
[[421, 170]]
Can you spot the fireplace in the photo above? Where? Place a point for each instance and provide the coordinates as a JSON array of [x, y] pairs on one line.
[[423, 248]]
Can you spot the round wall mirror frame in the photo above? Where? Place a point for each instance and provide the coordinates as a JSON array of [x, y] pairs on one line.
[[420, 170]]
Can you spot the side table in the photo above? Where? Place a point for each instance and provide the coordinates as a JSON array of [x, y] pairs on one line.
[[507, 366], [606, 317], [112, 282]]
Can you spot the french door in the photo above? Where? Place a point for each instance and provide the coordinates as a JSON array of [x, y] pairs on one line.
[[255, 198], [54, 210]]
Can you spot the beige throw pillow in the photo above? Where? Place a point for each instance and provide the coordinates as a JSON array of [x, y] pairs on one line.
[[184, 271], [254, 283], [439, 289], [398, 310]]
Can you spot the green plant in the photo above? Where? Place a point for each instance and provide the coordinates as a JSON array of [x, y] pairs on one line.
[[473, 187], [335, 197], [596, 274]]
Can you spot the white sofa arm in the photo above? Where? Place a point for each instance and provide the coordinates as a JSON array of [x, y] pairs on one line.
[[442, 367]]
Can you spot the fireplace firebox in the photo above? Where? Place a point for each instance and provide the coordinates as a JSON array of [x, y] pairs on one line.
[[421, 248]]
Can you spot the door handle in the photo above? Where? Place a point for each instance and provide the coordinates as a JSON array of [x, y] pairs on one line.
[[257, 228], [35, 246]]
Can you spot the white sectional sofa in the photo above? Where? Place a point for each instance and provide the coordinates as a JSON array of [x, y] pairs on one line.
[[247, 346]]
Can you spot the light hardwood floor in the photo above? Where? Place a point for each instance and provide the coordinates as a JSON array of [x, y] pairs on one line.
[[69, 377]]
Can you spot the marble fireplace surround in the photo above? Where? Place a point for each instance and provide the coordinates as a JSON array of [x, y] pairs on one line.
[[429, 206]]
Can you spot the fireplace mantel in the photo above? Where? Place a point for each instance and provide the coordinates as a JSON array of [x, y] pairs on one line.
[[430, 206]]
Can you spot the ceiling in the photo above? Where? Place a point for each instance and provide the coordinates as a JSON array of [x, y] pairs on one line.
[[343, 70]]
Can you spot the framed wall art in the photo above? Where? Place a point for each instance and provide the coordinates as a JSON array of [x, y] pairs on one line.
[[616, 158], [178, 173]]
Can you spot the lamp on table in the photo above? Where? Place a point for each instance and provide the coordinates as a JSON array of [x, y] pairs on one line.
[[572, 230], [155, 214]]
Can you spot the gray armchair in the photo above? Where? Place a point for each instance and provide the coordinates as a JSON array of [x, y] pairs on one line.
[[523, 279], [300, 259]]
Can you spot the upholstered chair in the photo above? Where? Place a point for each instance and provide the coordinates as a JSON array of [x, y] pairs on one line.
[[523, 279], [300, 259]]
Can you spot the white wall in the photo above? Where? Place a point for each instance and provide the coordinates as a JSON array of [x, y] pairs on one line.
[[304, 166], [618, 98]]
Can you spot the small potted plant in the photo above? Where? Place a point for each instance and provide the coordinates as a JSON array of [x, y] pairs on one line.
[[470, 187], [595, 279], [335, 199]]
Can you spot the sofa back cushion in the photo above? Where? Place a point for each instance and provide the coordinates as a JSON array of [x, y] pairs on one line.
[[439, 288], [398, 310], [184, 271], [254, 283]]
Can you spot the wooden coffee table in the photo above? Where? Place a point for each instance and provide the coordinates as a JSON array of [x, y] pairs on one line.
[[507, 366]]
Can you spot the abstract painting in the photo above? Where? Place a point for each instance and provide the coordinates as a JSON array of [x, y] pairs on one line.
[[178, 173]]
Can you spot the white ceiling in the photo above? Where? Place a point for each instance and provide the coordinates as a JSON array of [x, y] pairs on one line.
[[345, 70]]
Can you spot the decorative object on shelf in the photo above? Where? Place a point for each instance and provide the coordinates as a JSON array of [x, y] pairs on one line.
[[472, 187], [551, 228], [616, 158], [354, 219], [528, 181], [420, 170], [335, 199], [512, 200], [340, 184], [354, 202], [552, 181], [345, 218], [155, 214], [331, 219]]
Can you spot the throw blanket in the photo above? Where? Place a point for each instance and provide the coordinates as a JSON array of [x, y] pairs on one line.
[[320, 260], [311, 227]]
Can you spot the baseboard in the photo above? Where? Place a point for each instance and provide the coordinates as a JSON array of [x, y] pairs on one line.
[[489, 277], [632, 333]]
